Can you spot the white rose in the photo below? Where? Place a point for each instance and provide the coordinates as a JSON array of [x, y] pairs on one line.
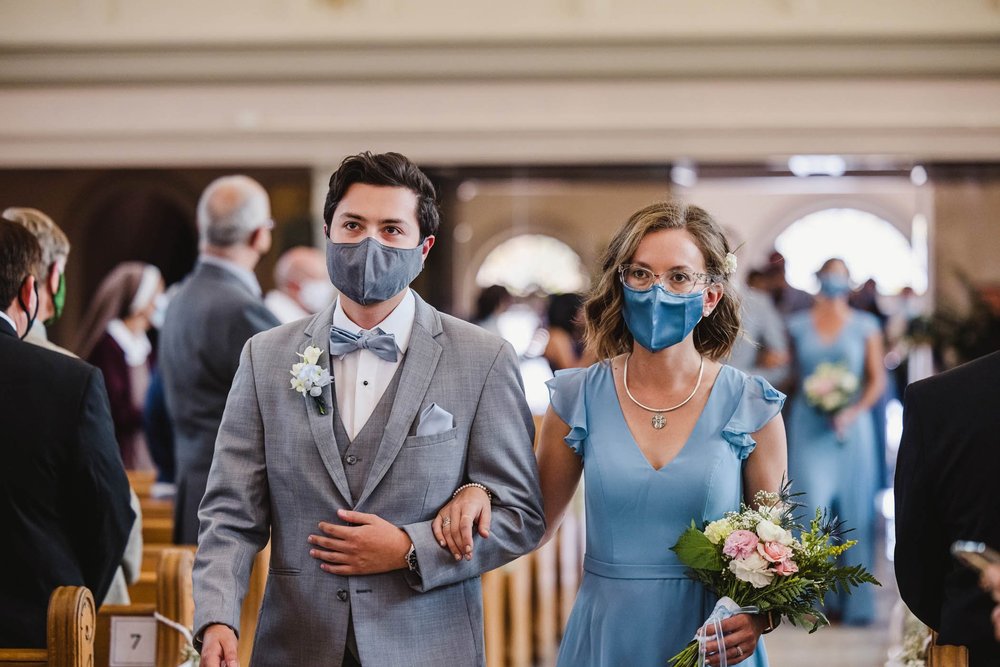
[[768, 531], [752, 569], [717, 531], [311, 354]]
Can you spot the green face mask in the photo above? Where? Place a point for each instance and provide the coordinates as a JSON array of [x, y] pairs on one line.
[[58, 301]]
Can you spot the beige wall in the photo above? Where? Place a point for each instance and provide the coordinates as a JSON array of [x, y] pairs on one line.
[[583, 215], [967, 214]]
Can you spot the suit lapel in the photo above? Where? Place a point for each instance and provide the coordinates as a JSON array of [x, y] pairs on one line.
[[318, 332], [419, 365]]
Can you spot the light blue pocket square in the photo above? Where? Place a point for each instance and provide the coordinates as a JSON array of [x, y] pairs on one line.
[[434, 419]]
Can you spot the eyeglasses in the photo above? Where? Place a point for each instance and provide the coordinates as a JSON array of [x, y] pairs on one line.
[[678, 282]]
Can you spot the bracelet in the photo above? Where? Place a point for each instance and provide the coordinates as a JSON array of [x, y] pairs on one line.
[[771, 622], [472, 485]]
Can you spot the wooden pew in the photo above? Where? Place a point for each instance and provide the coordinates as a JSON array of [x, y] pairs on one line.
[[142, 481], [69, 633], [173, 601]]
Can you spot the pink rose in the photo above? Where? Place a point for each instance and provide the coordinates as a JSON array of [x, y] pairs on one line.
[[740, 544], [786, 567], [774, 552]]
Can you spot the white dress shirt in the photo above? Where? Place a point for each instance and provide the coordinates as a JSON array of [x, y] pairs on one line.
[[284, 307], [13, 326], [360, 378]]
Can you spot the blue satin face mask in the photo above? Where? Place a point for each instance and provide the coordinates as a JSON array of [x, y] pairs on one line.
[[833, 285], [659, 319]]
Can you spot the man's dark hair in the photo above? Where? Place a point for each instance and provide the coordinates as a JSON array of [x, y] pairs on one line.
[[19, 253], [385, 169]]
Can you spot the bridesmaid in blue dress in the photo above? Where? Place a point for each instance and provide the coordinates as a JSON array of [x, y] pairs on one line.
[[833, 459], [664, 433]]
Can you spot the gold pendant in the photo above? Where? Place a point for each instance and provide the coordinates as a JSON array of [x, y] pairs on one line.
[[659, 421]]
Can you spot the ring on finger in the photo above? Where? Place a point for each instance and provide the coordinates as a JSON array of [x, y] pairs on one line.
[[739, 651], [446, 521]]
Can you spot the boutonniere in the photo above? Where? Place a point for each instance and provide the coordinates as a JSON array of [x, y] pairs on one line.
[[309, 379]]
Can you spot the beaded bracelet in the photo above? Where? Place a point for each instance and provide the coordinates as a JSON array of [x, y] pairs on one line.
[[471, 485]]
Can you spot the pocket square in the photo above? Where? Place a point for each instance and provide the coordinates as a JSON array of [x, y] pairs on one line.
[[434, 419]]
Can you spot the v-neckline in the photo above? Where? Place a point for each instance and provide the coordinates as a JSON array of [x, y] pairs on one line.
[[829, 342], [690, 437]]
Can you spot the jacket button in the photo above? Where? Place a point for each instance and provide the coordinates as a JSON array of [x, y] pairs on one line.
[[351, 459], [342, 595]]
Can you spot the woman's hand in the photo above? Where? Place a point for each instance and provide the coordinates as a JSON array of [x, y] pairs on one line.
[[453, 524], [843, 420], [740, 633]]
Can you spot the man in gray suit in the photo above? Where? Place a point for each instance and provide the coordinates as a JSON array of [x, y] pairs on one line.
[[345, 477], [211, 316]]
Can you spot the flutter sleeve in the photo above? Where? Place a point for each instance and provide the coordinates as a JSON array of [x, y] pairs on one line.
[[567, 395], [758, 404]]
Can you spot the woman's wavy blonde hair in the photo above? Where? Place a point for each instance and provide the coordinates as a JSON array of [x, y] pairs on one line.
[[605, 332]]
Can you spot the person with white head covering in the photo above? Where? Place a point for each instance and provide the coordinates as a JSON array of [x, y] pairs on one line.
[[113, 338]]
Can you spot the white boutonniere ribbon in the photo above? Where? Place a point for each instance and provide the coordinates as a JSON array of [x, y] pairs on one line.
[[309, 379]]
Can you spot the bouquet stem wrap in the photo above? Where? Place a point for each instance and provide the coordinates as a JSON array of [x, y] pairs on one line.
[[724, 608]]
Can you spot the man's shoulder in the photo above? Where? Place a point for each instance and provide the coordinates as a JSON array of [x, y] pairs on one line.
[[35, 363], [291, 334], [467, 335], [975, 375]]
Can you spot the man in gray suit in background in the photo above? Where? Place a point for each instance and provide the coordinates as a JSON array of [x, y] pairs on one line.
[[346, 477], [213, 313]]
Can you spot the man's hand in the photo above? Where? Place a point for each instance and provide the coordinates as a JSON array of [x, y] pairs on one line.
[[371, 545], [452, 526], [218, 647]]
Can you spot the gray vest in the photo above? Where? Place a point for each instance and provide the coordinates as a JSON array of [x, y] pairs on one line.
[[358, 455]]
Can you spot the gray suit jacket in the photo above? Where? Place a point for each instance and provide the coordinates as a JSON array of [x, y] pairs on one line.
[[207, 323], [277, 471]]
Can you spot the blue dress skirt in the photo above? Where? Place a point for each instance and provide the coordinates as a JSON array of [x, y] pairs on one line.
[[636, 606], [837, 473]]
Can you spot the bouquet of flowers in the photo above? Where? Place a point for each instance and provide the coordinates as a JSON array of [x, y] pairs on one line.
[[831, 387], [754, 557]]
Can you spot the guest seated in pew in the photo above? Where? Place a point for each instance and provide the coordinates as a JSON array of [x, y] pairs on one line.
[[64, 499]]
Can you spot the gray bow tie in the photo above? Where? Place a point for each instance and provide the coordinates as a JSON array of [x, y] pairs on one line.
[[343, 342]]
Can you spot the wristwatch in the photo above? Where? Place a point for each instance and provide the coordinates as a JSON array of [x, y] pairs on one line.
[[411, 560]]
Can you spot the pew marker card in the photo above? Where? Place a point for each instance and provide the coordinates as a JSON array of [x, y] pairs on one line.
[[133, 641]]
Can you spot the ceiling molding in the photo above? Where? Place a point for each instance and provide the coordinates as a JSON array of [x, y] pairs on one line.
[[600, 59]]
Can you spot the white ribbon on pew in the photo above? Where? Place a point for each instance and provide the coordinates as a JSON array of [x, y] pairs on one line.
[[192, 657]]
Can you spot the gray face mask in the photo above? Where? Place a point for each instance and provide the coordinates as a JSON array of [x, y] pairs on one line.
[[369, 272]]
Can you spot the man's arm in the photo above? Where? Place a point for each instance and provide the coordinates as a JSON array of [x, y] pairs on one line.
[[920, 555], [234, 514], [99, 493], [500, 457]]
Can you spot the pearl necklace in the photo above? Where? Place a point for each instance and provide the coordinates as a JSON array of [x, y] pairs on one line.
[[659, 421]]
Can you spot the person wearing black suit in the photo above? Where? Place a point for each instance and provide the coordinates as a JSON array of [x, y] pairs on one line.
[[946, 490], [64, 497], [210, 317]]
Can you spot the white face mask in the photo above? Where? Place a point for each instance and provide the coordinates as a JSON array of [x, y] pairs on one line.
[[315, 295], [159, 315]]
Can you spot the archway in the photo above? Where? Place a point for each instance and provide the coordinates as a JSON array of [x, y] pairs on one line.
[[872, 247]]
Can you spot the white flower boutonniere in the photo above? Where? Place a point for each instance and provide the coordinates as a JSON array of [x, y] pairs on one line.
[[309, 379]]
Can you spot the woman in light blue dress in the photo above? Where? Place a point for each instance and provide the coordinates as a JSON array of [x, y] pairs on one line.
[[664, 433], [833, 458]]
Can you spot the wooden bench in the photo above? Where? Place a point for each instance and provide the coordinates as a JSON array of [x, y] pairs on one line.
[[69, 633], [144, 590], [173, 601], [142, 481]]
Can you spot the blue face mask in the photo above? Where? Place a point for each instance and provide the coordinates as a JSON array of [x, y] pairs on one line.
[[659, 319], [833, 286]]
